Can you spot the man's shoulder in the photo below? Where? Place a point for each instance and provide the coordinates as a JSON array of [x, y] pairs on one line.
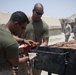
[[45, 25], [44, 22]]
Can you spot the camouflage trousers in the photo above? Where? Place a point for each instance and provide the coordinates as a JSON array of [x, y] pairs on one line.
[[23, 69], [34, 70], [26, 69], [6, 72]]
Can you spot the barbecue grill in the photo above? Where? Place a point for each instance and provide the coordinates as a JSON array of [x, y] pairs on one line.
[[61, 61]]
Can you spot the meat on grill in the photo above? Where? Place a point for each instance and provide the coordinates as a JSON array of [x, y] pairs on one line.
[[70, 44]]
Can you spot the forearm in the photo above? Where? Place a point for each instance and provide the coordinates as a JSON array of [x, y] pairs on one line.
[[44, 44], [45, 41], [18, 39], [16, 62], [23, 59], [23, 41]]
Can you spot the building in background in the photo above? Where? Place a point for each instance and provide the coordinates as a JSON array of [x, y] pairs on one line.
[[53, 23], [55, 27]]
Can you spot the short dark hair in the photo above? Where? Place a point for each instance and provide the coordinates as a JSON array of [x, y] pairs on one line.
[[20, 17]]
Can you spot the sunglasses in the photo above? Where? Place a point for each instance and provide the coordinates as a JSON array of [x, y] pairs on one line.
[[39, 13]]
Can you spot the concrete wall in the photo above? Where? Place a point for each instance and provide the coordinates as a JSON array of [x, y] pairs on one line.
[[55, 31]]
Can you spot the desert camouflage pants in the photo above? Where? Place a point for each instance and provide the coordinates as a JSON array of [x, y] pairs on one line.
[[7, 72], [67, 37], [23, 69], [26, 69], [34, 70]]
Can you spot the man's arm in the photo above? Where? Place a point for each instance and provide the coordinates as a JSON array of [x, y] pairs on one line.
[[70, 29], [21, 40], [45, 41], [17, 61]]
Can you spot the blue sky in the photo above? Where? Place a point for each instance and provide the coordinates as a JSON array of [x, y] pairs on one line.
[[52, 8]]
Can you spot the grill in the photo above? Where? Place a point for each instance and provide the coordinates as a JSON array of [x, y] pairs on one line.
[[55, 60]]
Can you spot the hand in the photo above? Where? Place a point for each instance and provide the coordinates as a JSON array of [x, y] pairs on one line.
[[30, 42]]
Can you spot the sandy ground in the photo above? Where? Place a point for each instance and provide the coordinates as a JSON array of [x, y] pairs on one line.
[[59, 38]]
